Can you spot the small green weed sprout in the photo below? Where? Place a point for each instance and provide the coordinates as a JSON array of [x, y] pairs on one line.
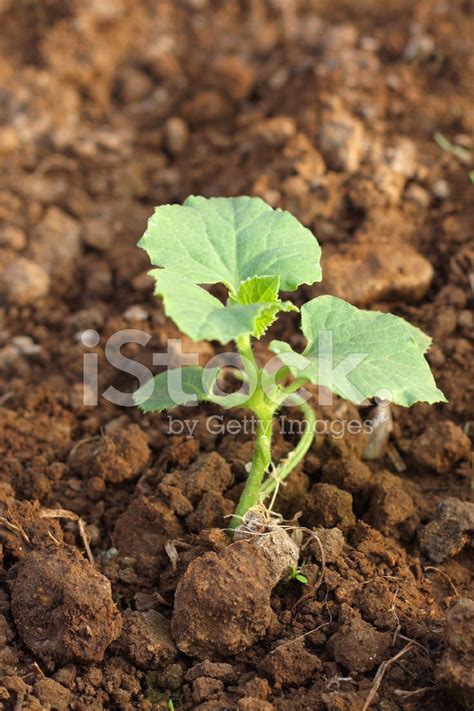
[[256, 252], [296, 574]]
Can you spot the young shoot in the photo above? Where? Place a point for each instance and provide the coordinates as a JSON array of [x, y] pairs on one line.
[[296, 574], [256, 252]]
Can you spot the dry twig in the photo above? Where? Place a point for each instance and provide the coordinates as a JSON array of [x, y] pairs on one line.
[[446, 576], [70, 516], [404, 694], [381, 673], [15, 528]]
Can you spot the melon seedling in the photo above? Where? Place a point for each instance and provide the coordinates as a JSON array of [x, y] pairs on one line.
[[257, 252]]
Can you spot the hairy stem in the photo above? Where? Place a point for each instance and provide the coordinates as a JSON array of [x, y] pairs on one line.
[[255, 489], [260, 462], [295, 457], [248, 359]]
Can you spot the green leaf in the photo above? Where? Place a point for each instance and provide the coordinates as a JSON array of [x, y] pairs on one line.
[[199, 314], [259, 289], [301, 578], [179, 386], [185, 386], [360, 354], [229, 240], [262, 290]]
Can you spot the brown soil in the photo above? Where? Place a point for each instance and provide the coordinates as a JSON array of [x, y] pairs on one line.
[[327, 109]]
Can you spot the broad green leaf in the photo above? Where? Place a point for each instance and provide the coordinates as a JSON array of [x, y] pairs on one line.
[[185, 386], [422, 340], [262, 290], [359, 354], [179, 386], [229, 240], [200, 315]]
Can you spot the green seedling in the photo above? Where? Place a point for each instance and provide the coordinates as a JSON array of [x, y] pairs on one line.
[[257, 252], [296, 574], [461, 153]]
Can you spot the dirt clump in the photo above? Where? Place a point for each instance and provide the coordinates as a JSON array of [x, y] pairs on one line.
[[52, 695], [328, 506], [290, 665], [390, 506], [357, 645], [348, 473], [142, 531], [56, 244], [450, 530], [214, 670], [23, 282], [205, 688], [341, 141], [213, 511], [332, 543], [369, 273], [24, 528], [222, 602], [62, 606], [456, 668], [441, 446], [184, 488], [146, 639], [118, 457], [250, 703]]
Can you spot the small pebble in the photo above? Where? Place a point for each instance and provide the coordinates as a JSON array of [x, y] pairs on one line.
[[176, 135], [415, 193], [24, 282], [441, 189], [13, 238], [136, 313], [97, 234], [369, 44], [341, 141], [419, 48], [25, 345]]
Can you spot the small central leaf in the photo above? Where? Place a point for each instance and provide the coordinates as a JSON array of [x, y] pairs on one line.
[[262, 290], [259, 289], [199, 314]]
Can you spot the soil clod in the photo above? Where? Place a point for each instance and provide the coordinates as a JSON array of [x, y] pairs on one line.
[[357, 645], [222, 602], [62, 606], [456, 668], [451, 529]]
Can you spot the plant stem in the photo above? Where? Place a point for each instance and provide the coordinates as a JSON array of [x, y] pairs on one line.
[[245, 351], [262, 452], [295, 457], [264, 408], [260, 462]]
